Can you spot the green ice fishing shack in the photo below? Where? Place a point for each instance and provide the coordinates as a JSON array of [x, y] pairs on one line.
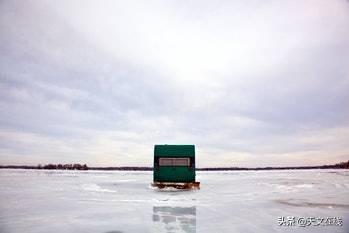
[[174, 166]]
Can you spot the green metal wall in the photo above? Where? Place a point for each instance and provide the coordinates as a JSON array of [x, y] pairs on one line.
[[174, 151], [174, 173]]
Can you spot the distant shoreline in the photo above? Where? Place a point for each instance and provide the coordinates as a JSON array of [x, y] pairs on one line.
[[342, 165]]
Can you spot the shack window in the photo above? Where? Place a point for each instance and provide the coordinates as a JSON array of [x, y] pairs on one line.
[[165, 162], [174, 162], [181, 162]]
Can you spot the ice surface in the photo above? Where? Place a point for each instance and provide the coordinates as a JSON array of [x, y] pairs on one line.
[[114, 201]]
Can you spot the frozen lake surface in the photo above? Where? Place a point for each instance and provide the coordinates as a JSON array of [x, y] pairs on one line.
[[116, 201]]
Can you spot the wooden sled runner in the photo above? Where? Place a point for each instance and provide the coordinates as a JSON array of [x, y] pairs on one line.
[[191, 185]]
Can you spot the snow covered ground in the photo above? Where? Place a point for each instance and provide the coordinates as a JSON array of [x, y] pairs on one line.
[[114, 202]]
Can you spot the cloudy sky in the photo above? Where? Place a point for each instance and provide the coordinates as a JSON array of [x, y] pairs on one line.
[[250, 83]]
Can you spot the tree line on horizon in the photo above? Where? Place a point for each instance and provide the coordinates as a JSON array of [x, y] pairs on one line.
[[76, 166], [51, 166]]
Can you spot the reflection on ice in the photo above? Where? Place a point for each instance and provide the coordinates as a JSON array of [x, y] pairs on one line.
[[174, 219]]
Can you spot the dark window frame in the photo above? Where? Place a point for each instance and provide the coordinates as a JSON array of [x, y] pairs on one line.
[[173, 163]]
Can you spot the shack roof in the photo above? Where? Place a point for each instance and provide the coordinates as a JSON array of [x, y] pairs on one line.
[[174, 150]]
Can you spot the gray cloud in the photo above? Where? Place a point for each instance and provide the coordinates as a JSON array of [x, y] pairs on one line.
[[249, 83]]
